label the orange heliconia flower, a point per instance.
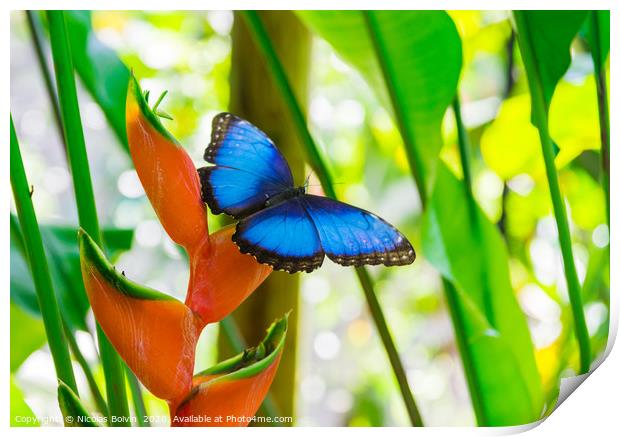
(221, 277)
(155, 333)
(229, 393)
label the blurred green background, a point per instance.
(341, 373)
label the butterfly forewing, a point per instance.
(237, 143)
(249, 168)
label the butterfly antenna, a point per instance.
(333, 183)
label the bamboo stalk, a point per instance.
(39, 268)
(76, 149)
(263, 42)
(539, 111)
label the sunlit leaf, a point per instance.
(553, 32)
(24, 341)
(524, 210)
(585, 197)
(501, 350)
(511, 144)
(21, 414)
(423, 50)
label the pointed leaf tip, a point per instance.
(74, 413)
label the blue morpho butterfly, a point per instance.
(279, 224)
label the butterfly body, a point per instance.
(279, 223)
(284, 196)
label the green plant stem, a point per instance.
(82, 184)
(72, 125)
(38, 266)
(390, 348)
(299, 120)
(419, 176)
(99, 400)
(464, 152)
(138, 399)
(539, 111)
(17, 237)
(603, 107)
(35, 33)
(90, 379)
(415, 161)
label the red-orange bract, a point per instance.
(156, 334)
(229, 393)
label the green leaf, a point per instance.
(511, 145)
(61, 247)
(422, 50)
(597, 36)
(21, 414)
(26, 336)
(503, 355)
(553, 32)
(103, 74)
(75, 414)
(537, 71)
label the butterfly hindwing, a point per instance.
(353, 236)
(282, 236)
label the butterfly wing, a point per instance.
(235, 192)
(248, 169)
(353, 236)
(282, 236)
